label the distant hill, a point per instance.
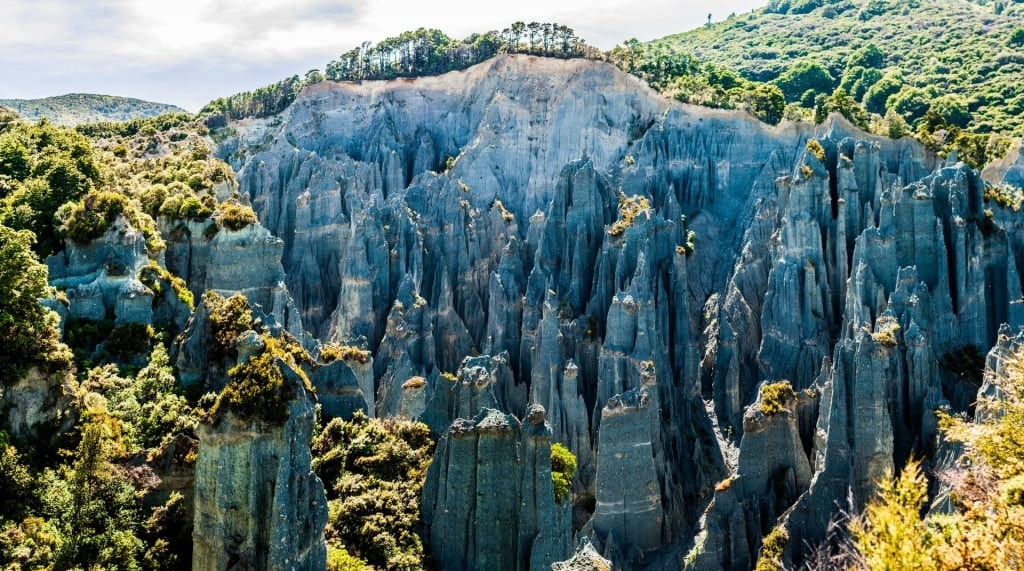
(969, 54)
(77, 108)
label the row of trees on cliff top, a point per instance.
(412, 54)
(432, 52)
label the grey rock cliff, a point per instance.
(557, 242)
(258, 505)
(497, 470)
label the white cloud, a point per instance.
(189, 51)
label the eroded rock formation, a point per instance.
(519, 233)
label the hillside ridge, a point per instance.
(73, 109)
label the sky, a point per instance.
(188, 52)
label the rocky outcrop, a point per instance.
(101, 278)
(40, 400)
(772, 472)
(495, 469)
(586, 558)
(551, 262)
(258, 505)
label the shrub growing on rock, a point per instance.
(774, 397)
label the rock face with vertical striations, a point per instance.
(497, 470)
(636, 267)
(258, 505)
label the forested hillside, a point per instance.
(930, 67)
(78, 108)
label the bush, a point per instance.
(814, 147)
(373, 471)
(772, 549)
(128, 340)
(235, 216)
(334, 351)
(229, 318)
(563, 470)
(775, 397)
(257, 390)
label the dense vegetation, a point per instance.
(79, 493)
(81, 501)
(79, 108)
(373, 471)
(944, 70)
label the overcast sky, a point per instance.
(187, 52)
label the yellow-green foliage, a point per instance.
(775, 396)
(154, 276)
(1005, 196)
(506, 214)
(887, 329)
(235, 216)
(90, 218)
(229, 318)
(891, 533)
(772, 548)
(339, 559)
(806, 171)
(629, 209)
(258, 388)
(373, 471)
(28, 332)
(814, 147)
(563, 470)
(43, 166)
(333, 351)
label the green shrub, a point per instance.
(373, 471)
(814, 147)
(155, 276)
(334, 351)
(563, 470)
(775, 397)
(772, 549)
(128, 340)
(90, 218)
(257, 389)
(235, 216)
(229, 318)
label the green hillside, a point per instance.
(78, 108)
(962, 59)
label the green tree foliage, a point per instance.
(28, 329)
(803, 77)
(373, 471)
(877, 96)
(432, 52)
(891, 533)
(563, 470)
(41, 168)
(840, 102)
(868, 56)
(1017, 38)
